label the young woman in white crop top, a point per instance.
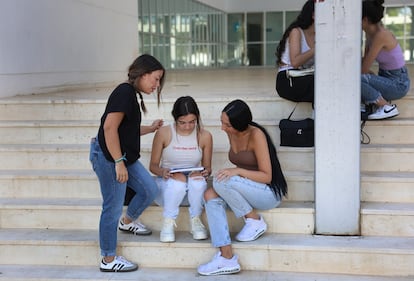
(183, 144)
(296, 50)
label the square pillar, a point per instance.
(337, 116)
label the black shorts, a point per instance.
(297, 89)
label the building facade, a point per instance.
(193, 34)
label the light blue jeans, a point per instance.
(174, 193)
(242, 196)
(390, 84)
(113, 195)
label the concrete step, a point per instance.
(82, 273)
(380, 256)
(381, 158)
(386, 219)
(256, 87)
(48, 131)
(389, 219)
(392, 131)
(405, 105)
(81, 105)
(51, 107)
(81, 131)
(71, 156)
(83, 184)
(387, 158)
(70, 184)
(396, 187)
(290, 217)
(397, 130)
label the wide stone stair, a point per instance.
(50, 199)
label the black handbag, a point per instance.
(297, 133)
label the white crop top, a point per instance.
(285, 58)
(182, 152)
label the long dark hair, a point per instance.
(304, 20)
(186, 105)
(373, 10)
(142, 65)
(240, 118)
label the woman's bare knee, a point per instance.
(210, 194)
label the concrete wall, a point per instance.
(53, 44)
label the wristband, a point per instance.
(123, 158)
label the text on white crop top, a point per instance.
(182, 151)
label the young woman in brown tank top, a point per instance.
(256, 182)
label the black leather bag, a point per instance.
(297, 133)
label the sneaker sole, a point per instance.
(253, 238)
(221, 271)
(167, 239)
(200, 236)
(122, 270)
(147, 232)
(393, 113)
(382, 118)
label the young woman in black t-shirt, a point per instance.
(115, 154)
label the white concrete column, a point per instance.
(49, 45)
(337, 120)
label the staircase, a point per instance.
(50, 199)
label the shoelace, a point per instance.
(140, 224)
(136, 226)
(121, 259)
(197, 223)
(168, 222)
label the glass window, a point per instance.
(235, 39)
(274, 26)
(274, 31)
(254, 38)
(291, 17)
(270, 54)
(235, 27)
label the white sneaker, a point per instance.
(383, 112)
(167, 232)
(135, 227)
(119, 264)
(198, 230)
(220, 265)
(252, 230)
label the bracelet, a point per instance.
(123, 158)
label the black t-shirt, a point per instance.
(124, 99)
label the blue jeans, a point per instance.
(242, 196)
(113, 195)
(390, 84)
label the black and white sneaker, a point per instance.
(384, 112)
(136, 227)
(119, 264)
